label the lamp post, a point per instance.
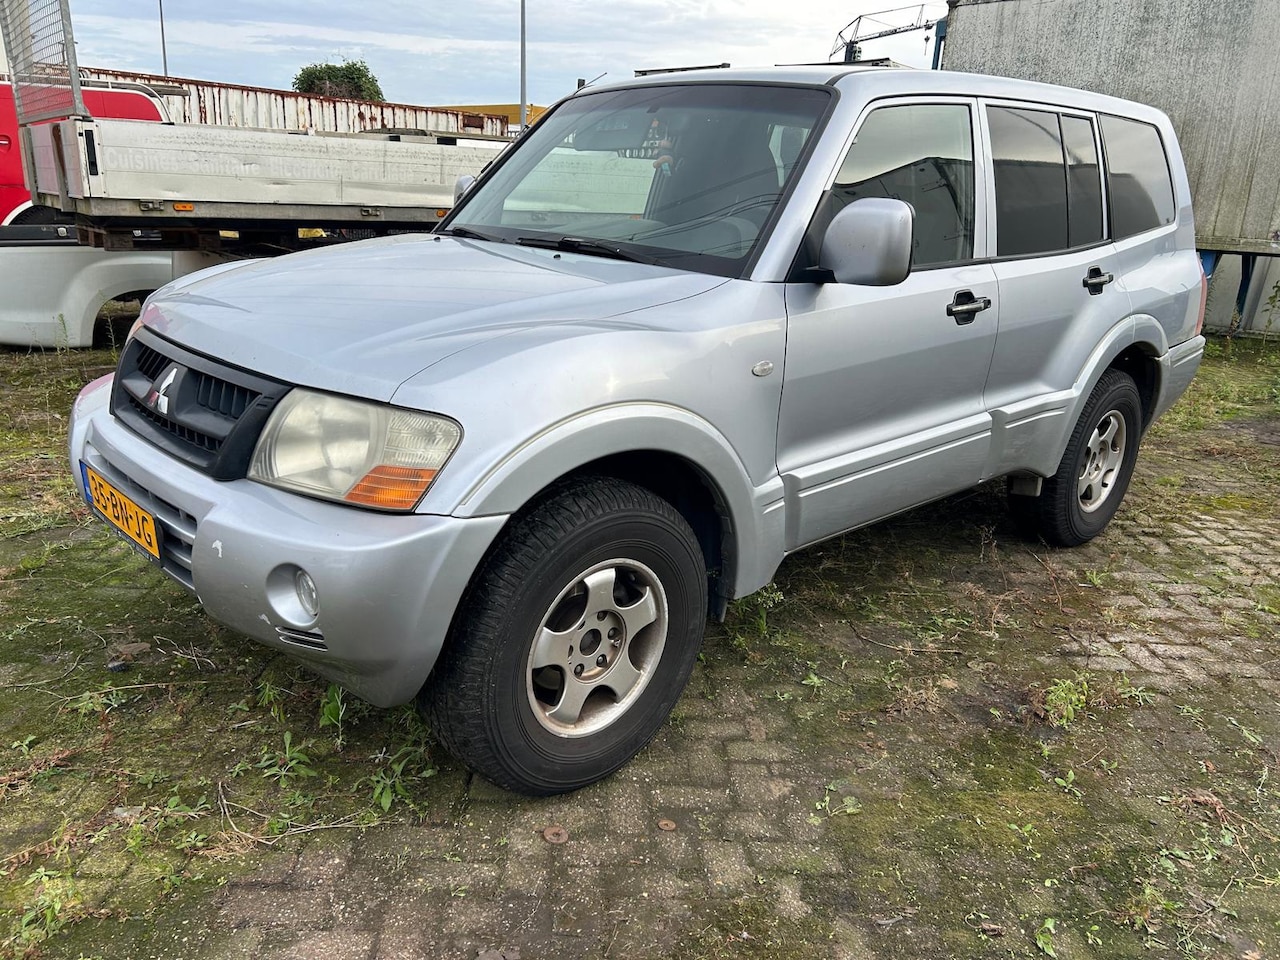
(164, 52)
(524, 97)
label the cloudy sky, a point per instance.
(430, 52)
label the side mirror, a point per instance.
(869, 243)
(462, 185)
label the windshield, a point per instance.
(687, 176)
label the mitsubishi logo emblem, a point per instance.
(157, 399)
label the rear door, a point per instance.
(1058, 273)
(882, 392)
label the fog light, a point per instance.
(293, 596)
(307, 595)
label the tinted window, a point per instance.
(1084, 183)
(1031, 182)
(924, 155)
(1137, 177)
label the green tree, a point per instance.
(351, 78)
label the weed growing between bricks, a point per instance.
(926, 738)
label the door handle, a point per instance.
(965, 306)
(1095, 280)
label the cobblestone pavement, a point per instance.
(741, 780)
(1177, 625)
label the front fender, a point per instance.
(755, 514)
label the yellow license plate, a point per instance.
(121, 512)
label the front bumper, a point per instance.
(388, 585)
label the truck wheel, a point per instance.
(1077, 502)
(574, 640)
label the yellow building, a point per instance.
(509, 110)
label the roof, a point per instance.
(872, 82)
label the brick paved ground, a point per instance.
(742, 776)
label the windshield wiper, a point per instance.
(466, 233)
(587, 245)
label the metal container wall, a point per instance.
(1212, 67)
(1257, 319)
(226, 104)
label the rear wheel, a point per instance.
(574, 640)
(1077, 502)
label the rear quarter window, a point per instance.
(1138, 179)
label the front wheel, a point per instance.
(1077, 502)
(574, 641)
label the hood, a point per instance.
(363, 318)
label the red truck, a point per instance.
(109, 102)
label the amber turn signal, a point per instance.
(391, 488)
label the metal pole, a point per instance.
(164, 52)
(524, 96)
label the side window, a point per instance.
(1031, 182)
(923, 154)
(1084, 182)
(1137, 177)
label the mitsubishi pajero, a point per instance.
(687, 325)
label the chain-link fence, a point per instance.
(42, 59)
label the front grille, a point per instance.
(225, 398)
(149, 361)
(205, 412)
(193, 438)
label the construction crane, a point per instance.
(849, 40)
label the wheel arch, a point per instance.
(1140, 361)
(669, 451)
(695, 495)
(1134, 347)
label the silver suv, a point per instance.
(685, 326)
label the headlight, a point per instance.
(352, 451)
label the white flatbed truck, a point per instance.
(205, 187)
(229, 191)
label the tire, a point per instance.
(574, 640)
(1077, 502)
